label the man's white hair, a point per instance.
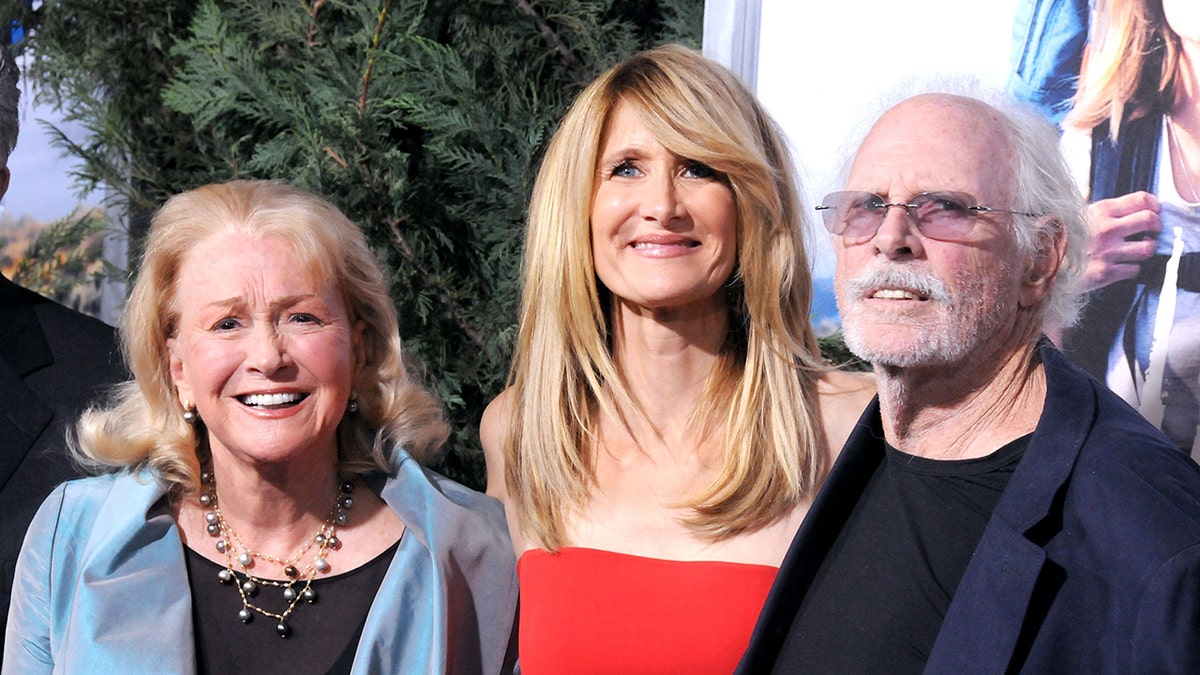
(1042, 184)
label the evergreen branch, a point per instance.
(448, 303)
(366, 80)
(311, 39)
(547, 32)
(335, 157)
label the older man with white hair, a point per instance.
(996, 509)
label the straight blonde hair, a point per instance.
(1132, 65)
(762, 392)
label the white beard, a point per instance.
(970, 312)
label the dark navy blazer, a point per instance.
(53, 362)
(1090, 562)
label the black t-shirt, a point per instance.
(877, 602)
(324, 634)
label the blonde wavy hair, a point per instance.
(1132, 65)
(142, 425)
(563, 379)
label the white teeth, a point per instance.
(270, 399)
(895, 294)
(649, 244)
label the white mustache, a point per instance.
(905, 278)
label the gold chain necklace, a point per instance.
(299, 580)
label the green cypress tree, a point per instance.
(423, 120)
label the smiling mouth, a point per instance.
(897, 294)
(272, 401)
(652, 245)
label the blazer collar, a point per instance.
(414, 615)
(23, 418)
(1001, 580)
(1068, 415)
(22, 343)
(137, 580)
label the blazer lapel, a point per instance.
(23, 417)
(820, 527)
(133, 599)
(984, 622)
(23, 349)
(406, 634)
(992, 604)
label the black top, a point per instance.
(324, 635)
(878, 601)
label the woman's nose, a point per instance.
(660, 199)
(267, 352)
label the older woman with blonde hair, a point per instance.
(668, 417)
(260, 475)
(1139, 98)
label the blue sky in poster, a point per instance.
(41, 184)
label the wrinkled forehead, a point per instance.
(937, 142)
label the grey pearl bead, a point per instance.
(225, 576)
(245, 560)
(283, 630)
(211, 517)
(222, 545)
(340, 518)
(206, 500)
(250, 588)
(310, 596)
(321, 564)
(289, 594)
(245, 615)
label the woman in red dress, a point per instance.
(668, 416)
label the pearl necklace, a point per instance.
(299, 581)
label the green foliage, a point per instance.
(63, 262)
(423, 120)
(835, 352)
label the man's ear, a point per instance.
(1042, 270)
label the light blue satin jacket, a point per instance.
(101, 584)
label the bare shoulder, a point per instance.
(493, 427)
(843, 397)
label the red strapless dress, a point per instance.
(590, 611)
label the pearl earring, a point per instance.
(189, 412)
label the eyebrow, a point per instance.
(240, 301)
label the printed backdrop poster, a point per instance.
(1133, 134)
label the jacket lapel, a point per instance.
(23, 417)
(413, 616)
(819, 529)
(23, 349)
(991, 605)
(133, 588)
